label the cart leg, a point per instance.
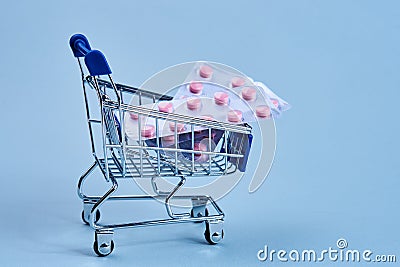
(83, 178)
(214, 231)
(103, 242)
(169, 197)
(199, 207)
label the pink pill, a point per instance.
(148, 131)
(249, 93)
(179, 127)
(221, 98)
(195, 87)
(237, 82)
(134, 116)
(263, 111)
(193, 103)
(207, 117)
(205, 71)
(275, 102)
(235, 116)
(168, 138)
(200, 147)
(165, 107)
(168, 141)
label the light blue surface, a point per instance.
(336, 171)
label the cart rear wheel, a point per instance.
(104, 249)
(98, 215)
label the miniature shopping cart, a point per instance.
(148, 158)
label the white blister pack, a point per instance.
(215, 73)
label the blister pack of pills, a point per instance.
(242, 85)
(247, 100)
(219, 107)
(212, 102)
(211, 93)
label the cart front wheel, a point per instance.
(214, 232)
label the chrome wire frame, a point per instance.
(120, 160)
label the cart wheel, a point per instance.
(198, 215)
(104, 249)
(96, 220)
(214, 232)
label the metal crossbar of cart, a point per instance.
(120, 159)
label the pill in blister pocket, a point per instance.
(221, 98)
(148, 131)
(200, 147)
(165, 106)
(179, 127)
(193, 103)
(237, 82)
(275, 102)
(168, 138)
(235, 116)
(249, 93)
(134, 116)
(168, 141)
(196, 87)
(207, 117)
(263, 111)
(205, 71)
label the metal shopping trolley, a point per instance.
(119, 158)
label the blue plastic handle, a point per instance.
(96, 63)
(94, 59)
(79, 44)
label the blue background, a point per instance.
(336, 171)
